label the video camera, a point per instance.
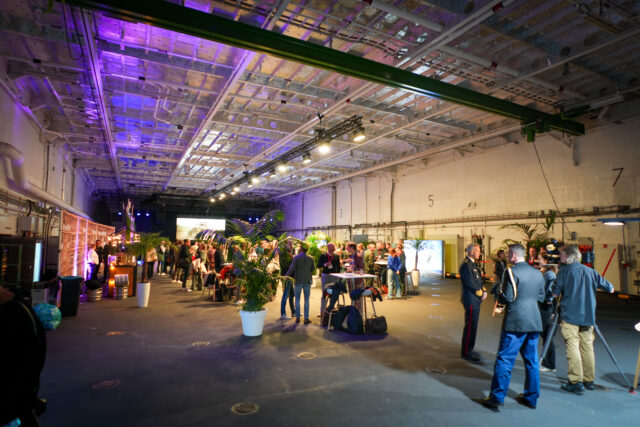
(552, 251)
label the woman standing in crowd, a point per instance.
(546, 312)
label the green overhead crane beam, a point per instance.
(184, 20)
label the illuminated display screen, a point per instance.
(187, 228)
(430, 257)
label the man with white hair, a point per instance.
(578, 285)
(521, 289)
(473, 293)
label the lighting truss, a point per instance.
(348, 125)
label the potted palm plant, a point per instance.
(145, 243)
(256, 283)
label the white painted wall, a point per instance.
(17, 129)
(502, 180)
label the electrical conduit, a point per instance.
(21, 185)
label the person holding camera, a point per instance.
(577, 284)
(521, 290)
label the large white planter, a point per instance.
(252, 322)
(142, 292)
(415, 279)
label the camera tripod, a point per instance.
(552, 333)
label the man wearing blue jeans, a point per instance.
(301, 269)
(393, 273)
(521, 290)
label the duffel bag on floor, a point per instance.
(339, 317)
(354, 321)
(376, 325)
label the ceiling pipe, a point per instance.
(506, 70)
(238, 72)
(412, 57)
(401, 13)
(86, 29)
(21, 185)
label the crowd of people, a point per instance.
(529, 291)
(192, 263)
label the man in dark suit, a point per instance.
(301, 269)
(473, 293)
(521, 290)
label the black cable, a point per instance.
(544, 175)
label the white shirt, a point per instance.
(93, 257)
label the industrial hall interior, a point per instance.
(319, 212)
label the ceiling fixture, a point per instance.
(236, 189)
(320, 140)
(324, 148)
(212, 200)
(222, 196)
(613, 223)
(249, 185)
(359, 135)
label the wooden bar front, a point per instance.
(129, 270)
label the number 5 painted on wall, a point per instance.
(430, 199)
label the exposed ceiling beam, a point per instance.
(419, 155)
(211, 27)
(247, 57)
(86, 29)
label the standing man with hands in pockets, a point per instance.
(301, 269)
(473, 293)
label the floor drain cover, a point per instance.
(432, 370)
(111, 333)
(306, 355)
(435, 317)
(106, 384)
(244, 408)
(201, 343)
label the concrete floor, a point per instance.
(160, 378)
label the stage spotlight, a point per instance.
(306, 159)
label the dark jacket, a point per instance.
(549, 280)
(22, 357)
(335, 263)
(578, 285)
(498, 268)
(302, 267)
(218, 260)
(184, 258)
(471, 278)
(522, 313)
